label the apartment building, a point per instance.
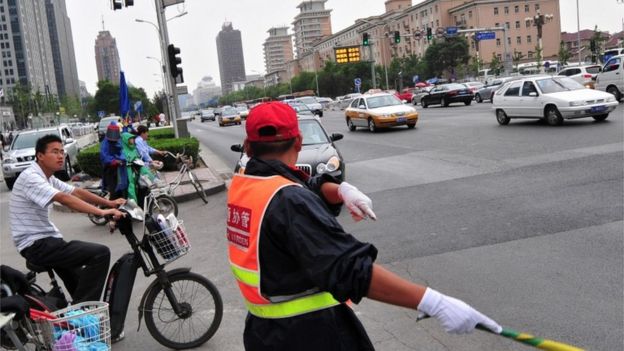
(312, 24)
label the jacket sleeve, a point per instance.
(315, 183)
(330, 258)
(105, 157)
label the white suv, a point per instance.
(585, 75)
(611, 79)
(22, 153)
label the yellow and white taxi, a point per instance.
(379, 110)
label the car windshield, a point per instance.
(230, 112)
(454, 87)
(593, 69)
(308, 100)
(312, 132)
(28, 140)
(382, 101)
(557, 85)
(241, 108)
(300, 108)
(106, 121)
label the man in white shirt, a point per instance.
(82, 266)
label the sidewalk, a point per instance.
(211, 175)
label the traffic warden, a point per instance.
(293, 262)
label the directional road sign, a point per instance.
(547, 64)
(485, 35)
(357, 82)
(415, 78)
(451, 30)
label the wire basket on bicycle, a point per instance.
(168, 236)
(83, 326)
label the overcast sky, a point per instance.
(195, 32)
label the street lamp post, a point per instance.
(539, 20)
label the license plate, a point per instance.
(601, 108)
(401, 120)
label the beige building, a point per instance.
(107, 57)
(412, 21)
(277, 49)
(312, 24)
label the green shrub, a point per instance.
(89, 158)
(164, 133)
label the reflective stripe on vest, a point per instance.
(248, 198)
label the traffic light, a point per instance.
(117, 5)
(174, 61)
(429, 34)
(397, 37)
(592, 45)
(129, 3)
(365, 41)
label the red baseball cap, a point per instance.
(272, 121)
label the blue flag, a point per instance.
(124, 100)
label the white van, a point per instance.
(611, 79)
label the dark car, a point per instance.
(317, 156)
(446, 94)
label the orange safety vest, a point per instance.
(248, 198)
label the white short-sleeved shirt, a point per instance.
(29, 207)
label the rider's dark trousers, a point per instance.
(81, 265)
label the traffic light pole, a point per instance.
(173, 95)
(373, 73)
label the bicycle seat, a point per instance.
(38, 269)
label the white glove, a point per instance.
(456, 316)
(360, 206)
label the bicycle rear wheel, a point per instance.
(198, 187)
(165, 205)
(202, 311)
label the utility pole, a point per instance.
(173, 95)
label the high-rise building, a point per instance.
(277, 49)
(231, 60)
(107, 57)
(205, 91)
(62, 43)
(312, 24)
(25, 46)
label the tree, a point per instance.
(598, 40)
(496, 66)
(564, 54)
(517, 57)
(107, 97)
(445, 56)
(538, 57)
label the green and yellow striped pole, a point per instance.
(528, 339)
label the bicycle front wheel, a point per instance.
(165, 205)
(198, 187)
(201, 312)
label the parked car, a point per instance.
(474, 86)
(611, 79)
(243, 111)
(21, 153)
(301, 108)
(419, 93)
(446, 94)
(207, 115)
(379, 110)
(318, 154)
(487, 92)
(585, 75)
(103, 124)
(312, 104)
(552, 99)
(228, 116)
(406, 94)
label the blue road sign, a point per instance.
(547, 64)
(357, 82)
(451, 30)
(485, 35)
(415, 78)
(101, 114)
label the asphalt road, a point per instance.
(524, 222)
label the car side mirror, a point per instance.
(533, 94)
(69, 141)
(336, 136)
(237, 148)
